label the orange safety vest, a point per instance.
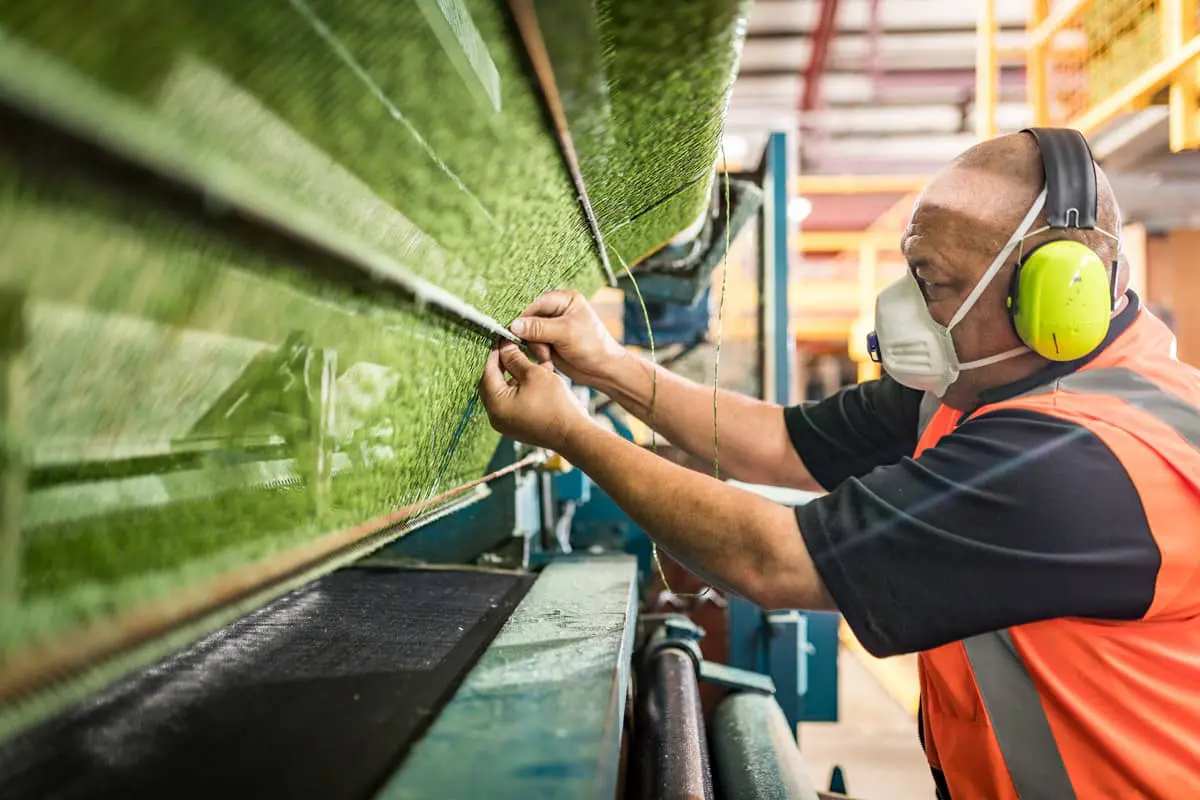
(1083, 708)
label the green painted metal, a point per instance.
(754, 751)
(541, 714)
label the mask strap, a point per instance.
(984, 362)
(1018, 236)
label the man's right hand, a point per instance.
(563, 327)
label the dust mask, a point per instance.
(917, 351)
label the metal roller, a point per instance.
(672, 752)
(754, 754)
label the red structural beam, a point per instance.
(822, 36)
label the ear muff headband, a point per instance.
(1061, 296)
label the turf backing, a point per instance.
(173, 403)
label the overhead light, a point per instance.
(799, 208)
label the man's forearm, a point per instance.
(735, 539)
(753, 446)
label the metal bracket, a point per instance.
(735, 678)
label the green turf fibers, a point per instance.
(419, 135)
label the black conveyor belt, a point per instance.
(319, 694)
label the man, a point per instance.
(1039, 531)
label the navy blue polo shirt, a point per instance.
(997, 525)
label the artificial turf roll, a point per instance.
(171, 406)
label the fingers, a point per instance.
(547, 330)
(542, 320)
(543, 354)
(513, 360)
(550, 304)
(492, 383)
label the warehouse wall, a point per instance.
(1173, 286)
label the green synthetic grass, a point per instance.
(142, 311)
(671, 68)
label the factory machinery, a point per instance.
(256, 536)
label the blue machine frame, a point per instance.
(797, 649)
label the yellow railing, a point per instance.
(1091, 60)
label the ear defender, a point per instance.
(1061, 300)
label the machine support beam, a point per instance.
(775, 265)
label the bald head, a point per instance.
(961, 222)
(988, 189)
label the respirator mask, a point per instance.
(916, 350)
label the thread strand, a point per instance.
(662, 575)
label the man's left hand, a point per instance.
(534, 406)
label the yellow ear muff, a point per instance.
(1061, 300)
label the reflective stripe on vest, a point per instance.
(1140, 393)
(1018, 719)
(1010, 697)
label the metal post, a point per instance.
(1178, 21)
(777, 331)
(13, 335)
(1035, 66)
(987, 75)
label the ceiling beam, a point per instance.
(1013, 74)
(901, 149)
(933, 51)
(818, 54)
(768, 15)
(803, 33)
(883, 120)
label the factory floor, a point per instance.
(875, 740)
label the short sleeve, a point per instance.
(856, 430)
(1013, 518)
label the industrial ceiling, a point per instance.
(886, 87)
